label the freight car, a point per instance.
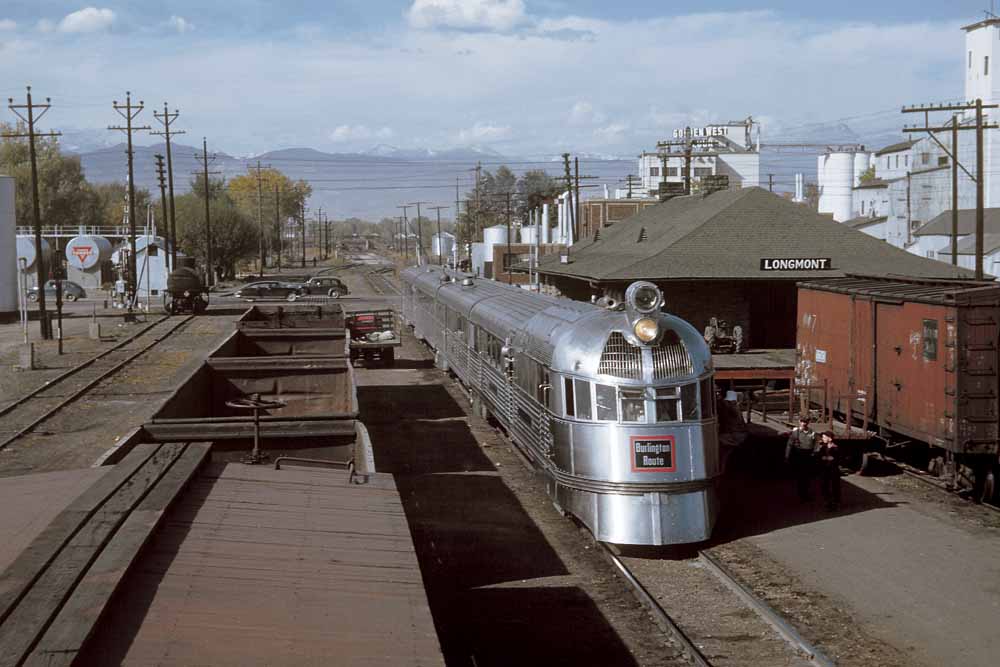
(615, 405)
(186, 291)
(917, 358)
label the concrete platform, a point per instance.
(262, 567)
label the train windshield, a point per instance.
(639, 405)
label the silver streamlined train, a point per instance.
(615, 405)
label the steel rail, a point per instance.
(48, 384)
(766, 612)
(79, 392)
(921, 476)
(660, 616)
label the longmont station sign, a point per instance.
(796, 264)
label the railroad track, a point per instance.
(381, 284)
(807, 652)
(939, 484)
(29, 411)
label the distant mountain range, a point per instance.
(371, 184)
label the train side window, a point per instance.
(607, 403)
(667, 404)
(707, 398)
(583, 408)
(633, 405)
(568, 398)
(689, 402)
(930, 340)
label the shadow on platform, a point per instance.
(470, 532)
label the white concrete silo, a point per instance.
(492, 236)
(835, 176)
(8, 252)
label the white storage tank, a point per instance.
(442, 245)
(478, 259)
(26, 251)
(492, 236)
(8, 251)
(835, 176)
(87, 253)
(529, 234)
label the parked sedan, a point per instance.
(270, 289)
(71, 291)
(332, 287)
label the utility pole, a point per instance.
(303, 219)
(406, 239)
(260, 215)
(631, 179)
(576, 204)
(457, 210)
(477, 223)
(569, 192)
(209, 269)
(440, 240)
(979, 179)
(770, 182)
(509, 260)
(171, 240)
(687, 143)
(954, 191)
(45, 328)
(166, 119)
(277, 223)
(420, 233)
(129, 113)
(318, 233)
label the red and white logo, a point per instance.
(82, 252)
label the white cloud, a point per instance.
(484, 133)
(345, 133)
(583, 113)
(7, 24)
(45, 25)
(89, 19)
(180, 24)
(466, 14)
(612, 133)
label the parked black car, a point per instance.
(71, 291)
(328, 285)
(270, 289)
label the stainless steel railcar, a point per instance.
(615, 406)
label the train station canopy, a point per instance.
(748, 234)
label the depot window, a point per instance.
(654, 171)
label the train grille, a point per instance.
(620, 358)
(671, 359)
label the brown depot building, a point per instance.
(732, 254)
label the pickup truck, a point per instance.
(374, 333)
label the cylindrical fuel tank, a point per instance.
(26, 251)
(87, 253)
(184, 279)
(529, 234)
(442, 245)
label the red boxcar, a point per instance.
(920, 358)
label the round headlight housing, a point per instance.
(644, 297)
(646, 329)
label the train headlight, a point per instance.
(644, 297)
(646, 330)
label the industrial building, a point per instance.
(732, 254)
(897, 192)
(725, 149)
(8, 254)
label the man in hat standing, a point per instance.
(799, 453)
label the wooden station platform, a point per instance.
(776, 364)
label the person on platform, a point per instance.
(799, 453)
(828, 457)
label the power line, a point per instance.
(166, 119)
(45, 327)
(129, 113)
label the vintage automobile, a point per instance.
(71, 291)
(329, 285)
(270, 289)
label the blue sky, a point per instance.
(520, 76)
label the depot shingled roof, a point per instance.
(726, 235)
